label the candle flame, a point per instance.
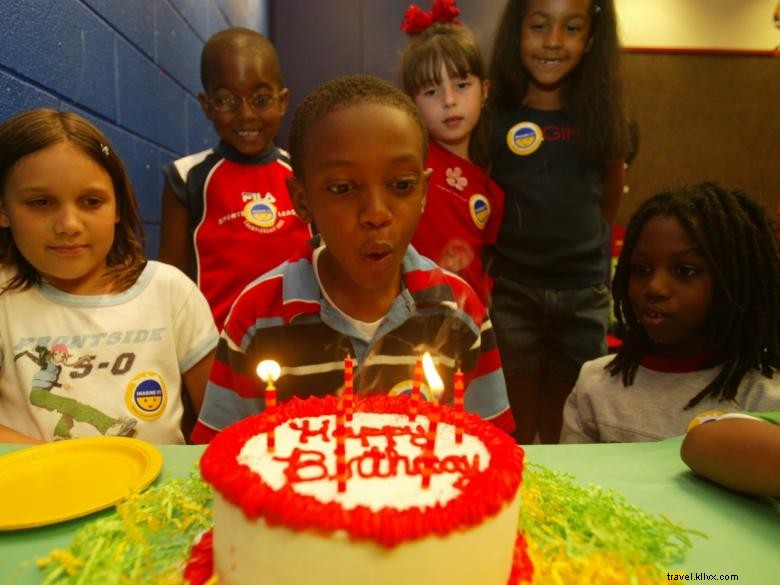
(269, 370)
(432, 376)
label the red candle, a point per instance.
(430, 444)
(349, 392)
(436, 386)
(269, 371)
(341, 451)
(458, 404)
(414, 401)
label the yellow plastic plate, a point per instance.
(59, 481)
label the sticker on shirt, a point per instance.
(404, 388)
(456, 179)
(260, 211)
(524, 138)
(146, 395)
(456, 255)
(259, 214)
(479, 207)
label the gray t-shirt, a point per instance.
(601, 410)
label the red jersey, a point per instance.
(462, 215)
(241, 219)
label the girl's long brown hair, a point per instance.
(454, 46)
(34, 130)
(593, 93)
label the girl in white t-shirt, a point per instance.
(94, 339)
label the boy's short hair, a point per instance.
(236, 39)
(343, 92)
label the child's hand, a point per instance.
(740, 453)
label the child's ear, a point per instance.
(485, 91)
(205, 106)
(284, 99)
(4, 221)
(295, 189)
(425, 178)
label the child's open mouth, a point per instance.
(653, 317)
(377, 253)
(377, 256)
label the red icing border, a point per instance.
(200, 564)
(484, 495)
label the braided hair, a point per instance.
(736, 238)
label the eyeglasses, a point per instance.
(231, 103)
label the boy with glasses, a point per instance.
(226, 214)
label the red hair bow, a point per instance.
(417, 20)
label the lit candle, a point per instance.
(414, 401)
(349, 392)
(269, 371)
(436, 386)
(458, 403)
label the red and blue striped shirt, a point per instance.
(283, 316)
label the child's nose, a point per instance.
(657, 285)
(553, 37)
(375, 211)
(245, 109)
(448, 96)
(68, 220)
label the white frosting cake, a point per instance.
(279, 517)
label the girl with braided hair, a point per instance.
(697, 296)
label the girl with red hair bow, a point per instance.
(442, 70)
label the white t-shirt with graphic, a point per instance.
(77, 366)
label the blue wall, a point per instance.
(132, 67)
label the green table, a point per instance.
(744, 532)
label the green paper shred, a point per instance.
(590, 521)
(148, 538)
(145, 540)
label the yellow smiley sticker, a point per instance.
(479, 207)
(146, 395)
(405, 388)
(261, 212)
(524, 138)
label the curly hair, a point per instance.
(592, 96)
(341, 93)
(35, 130)
(454, 47)
(737, 239)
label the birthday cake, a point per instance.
(374, 499)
